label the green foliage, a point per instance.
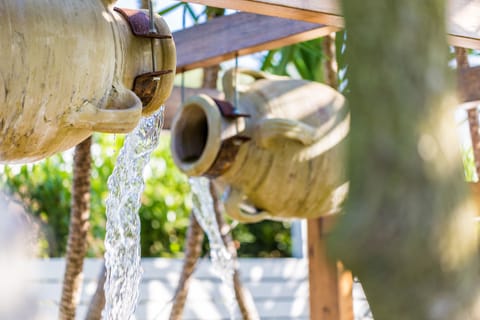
(306, 60)
(469, 165)
(299, 60)
(44, 188)
(165, 208)
(263, 239)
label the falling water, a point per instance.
(223, 264)
(122, 240)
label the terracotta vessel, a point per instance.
(67, 68)
(278, 154)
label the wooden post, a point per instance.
(330, 283)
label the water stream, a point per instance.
(122, 240)
(223, 264)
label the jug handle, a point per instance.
(269, 130)
(108, 2)
(228, 80)
(233, 201)
(122, 117)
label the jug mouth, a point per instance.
(196, 135)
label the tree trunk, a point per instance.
(408, 231)
(98, 300)
(242, 294)
(193, 250)
(330, 64)
(77, 244)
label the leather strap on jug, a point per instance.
(146, 85)
(230, 147)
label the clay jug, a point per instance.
(278, 154)
(67, 68)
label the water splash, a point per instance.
(222, 261)
(122, 240)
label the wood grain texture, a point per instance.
(330, 284)
(325, 11)
(243, 33)
(463, 19)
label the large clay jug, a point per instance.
(68, 67)
(278, 154)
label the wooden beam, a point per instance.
(330, 284)
(463, 15)
(242, 33)
(464, 23)
(316, 11)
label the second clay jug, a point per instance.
(278, 154)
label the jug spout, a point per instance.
(205, 136)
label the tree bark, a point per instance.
(98, 300)
(77, 244)
(408, 231)
(193, 250)
(242, 294)
(330, 64)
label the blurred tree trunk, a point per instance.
(193, 250)
(408, 231)
(97, 304)
(77, 238)
(242, 294)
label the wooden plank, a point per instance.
(475, 191)
(322, 275)
(463, 17)
(330, 285)
(316, 11)
(243, 33)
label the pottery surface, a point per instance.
(285, 160)
(67, 69)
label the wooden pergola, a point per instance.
(311, 19)
(286, 22)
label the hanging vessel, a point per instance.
(278, 154)
(68, 68)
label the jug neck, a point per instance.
(206, 136)
(146, 59)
